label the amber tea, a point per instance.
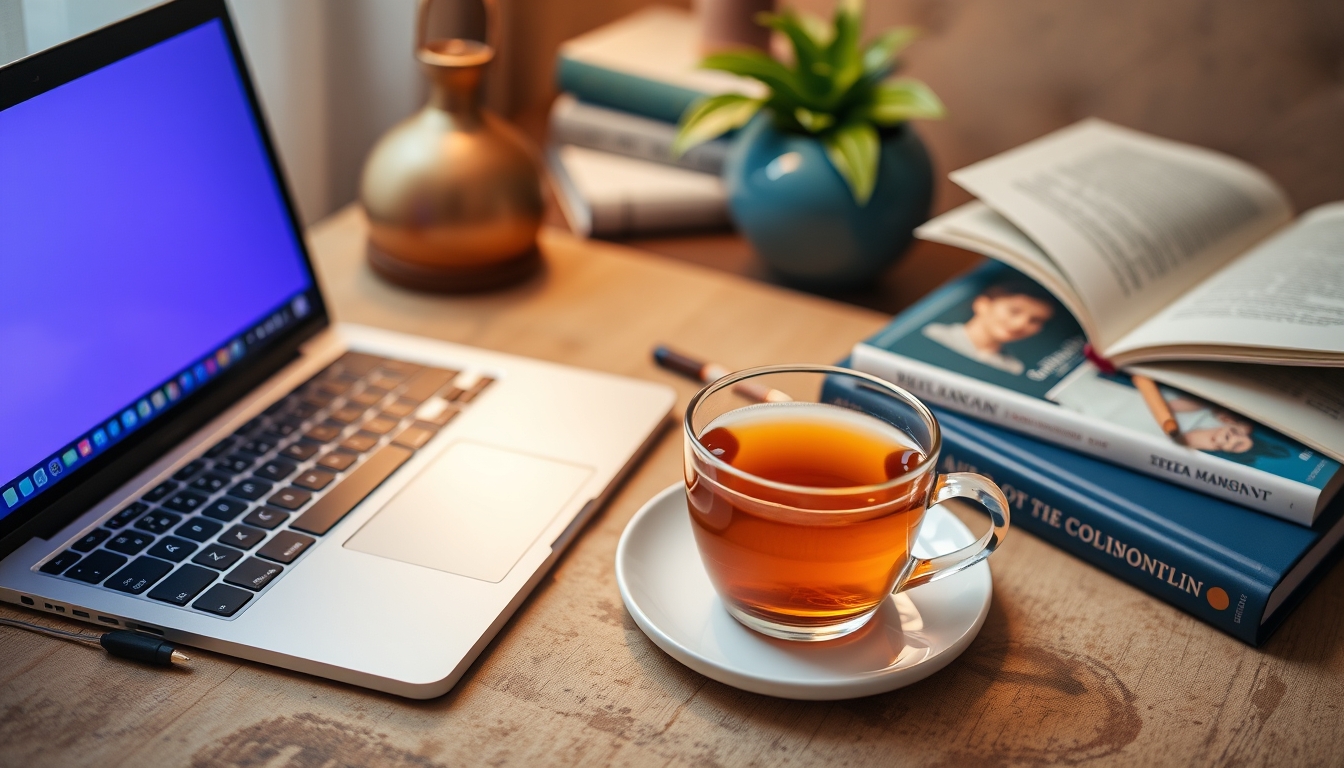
(766, 548)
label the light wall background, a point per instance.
(1261, 81)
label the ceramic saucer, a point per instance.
(914, 634)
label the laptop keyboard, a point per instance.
(233, 521)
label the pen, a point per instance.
(1157, 404)
(687, 366)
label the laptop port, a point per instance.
(106, 620)
(26, 600)
(143, 628)
(81, 614)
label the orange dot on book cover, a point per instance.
(1218, 598)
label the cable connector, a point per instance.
(141, 647)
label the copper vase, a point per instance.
(453, 193)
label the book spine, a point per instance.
(623, 91)
(1041, 419)
(1091, 529)
(584, 125)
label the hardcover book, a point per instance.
(607, 195)
(1235, 569)
(996, 346)
(1180, 263)
(646, 63)
(586, 125)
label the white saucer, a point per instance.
(914, 634)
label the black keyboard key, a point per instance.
(287, 426)
(189, 471)
(475, 389)
(338, 460)
(359, 442)
(139, 575)
(254, 425)
(414, 437)
(251, 489)
(185, 501)
(158, 521)
(217, 557)
(253, 574)
(304, 411)
(285, 546)
(260, 445)
(234, 464)
(265, 517)
(172, 548)
(130, 542)
(91, 540)
(398, 410)
(347, 415)
(379, 425)
(344, 496)
(324, 433)
(276, 469)
(184, 584)
(210, 483)
(424, 384)
(367, 398)
(314, 479)
(242, 536)
(279, 405)
(222, 600)
(161, 490)
(125, 516)
(355, 363)
(199, 528)
(220, 448)
(96, 567)
(224, 509)
(290, 498)
(60, 562)
(301, 451)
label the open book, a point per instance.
(1175, 260)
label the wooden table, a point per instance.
(1072, 665)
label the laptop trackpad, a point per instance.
(472, 511)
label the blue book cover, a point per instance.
(995, 345)
(1241, 571)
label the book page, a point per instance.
(1307, 404)
(976, 227)
(1281, 302)
(1133, 221)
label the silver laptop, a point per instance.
(189, 448)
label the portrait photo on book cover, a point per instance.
(1008, 331)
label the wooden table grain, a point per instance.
(1072, 666)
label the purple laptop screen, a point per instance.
(141, 230)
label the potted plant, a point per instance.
(826, 179)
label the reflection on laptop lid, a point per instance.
(131, 290)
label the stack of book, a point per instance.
(624, 86)
(1203, 469)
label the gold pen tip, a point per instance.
(179, 657)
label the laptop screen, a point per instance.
(145, 248)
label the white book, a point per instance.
(610, 130)
(607, 195)
(1179, 262)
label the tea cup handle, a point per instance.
(981, 490)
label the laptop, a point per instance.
(189, 447)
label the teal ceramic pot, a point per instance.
(798, 213)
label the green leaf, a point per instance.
(854, 150)
(880, 58)
(814, 122)
(809, 56)
(900, 100)
(711, 117)
(783, 83)
(843, 52)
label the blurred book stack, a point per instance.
(624, 86)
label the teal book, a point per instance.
(996, 346)
(646, 64)
(1238, 570)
